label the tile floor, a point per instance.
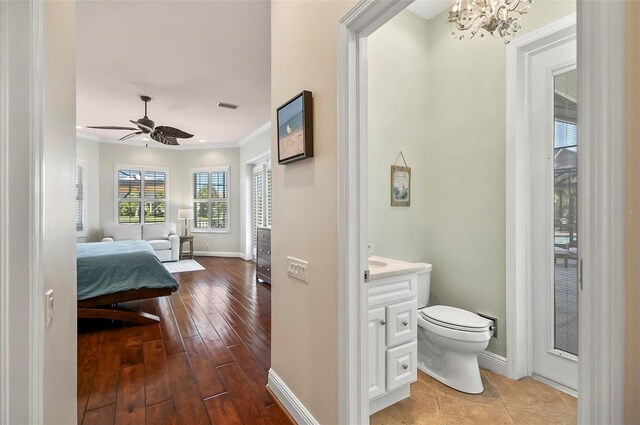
(503, 401)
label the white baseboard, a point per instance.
(493, 362)
(290, 402)
(219, 254)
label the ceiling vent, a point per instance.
(227, 105)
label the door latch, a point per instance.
(366, 276)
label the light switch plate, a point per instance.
(298, 269)
(48, 307)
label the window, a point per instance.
(81, 198)
(260, 199)
(141, 194)
(211, 199)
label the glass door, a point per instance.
(553, 116)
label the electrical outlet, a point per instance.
(495, 323)
(48, 307)
(298, 269)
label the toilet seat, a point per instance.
(456, 319)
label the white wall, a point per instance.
(59, 248)
(89, 151)
(178, 164)
(304, 321)
(258, 145)
(398, 102)
(228, 243)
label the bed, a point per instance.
(115, 272)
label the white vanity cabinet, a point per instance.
(393, 323)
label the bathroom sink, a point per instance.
(375, 264)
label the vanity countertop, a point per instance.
(380, 267)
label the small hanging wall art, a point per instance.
(400, 184)
(295, 129)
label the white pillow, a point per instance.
(123, 232)
(152, 232)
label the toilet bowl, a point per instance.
(449, 341)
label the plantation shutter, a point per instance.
(80, 195)
(258, 203)
(268, 218)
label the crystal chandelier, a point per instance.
(496, 17)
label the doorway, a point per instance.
(602, 60)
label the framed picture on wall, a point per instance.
(295, 129)
(400, 186)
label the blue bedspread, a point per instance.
(110, 267)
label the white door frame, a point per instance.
(601, 44)
(519, 180)
(353, 28)
(21, 290)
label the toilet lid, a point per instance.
(455, 318)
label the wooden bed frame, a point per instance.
(105, 306)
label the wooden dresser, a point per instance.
(263, 260)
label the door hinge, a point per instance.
(580, 279)
(366, 276)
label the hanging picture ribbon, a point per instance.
(400, 183)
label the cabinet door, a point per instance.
(402, 323)
(376, 352)
(402, 365)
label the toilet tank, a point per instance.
(424, 285)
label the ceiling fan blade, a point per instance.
(111, 127)
(173, 132)
(130, 135)
(158, 137)
(141, 126)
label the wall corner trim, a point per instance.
(289, 400)
(493, 362)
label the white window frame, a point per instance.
(83, 166)
(142, 169)
(263, 166)
(226, 169)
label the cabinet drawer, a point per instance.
(264, 250)
(402, 365)
(392, 289)
(264, 235)
(402, 322)
(264, 271)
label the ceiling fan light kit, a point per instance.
(162, 133)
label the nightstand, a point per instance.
(188, 254)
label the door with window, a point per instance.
(260, 200)
(552, 90)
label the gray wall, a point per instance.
(398, 101)
(59, 237)
(463, 125)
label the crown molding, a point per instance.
(257, 132)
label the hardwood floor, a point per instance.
(206, 362)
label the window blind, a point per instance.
(211, 199)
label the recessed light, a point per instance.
(203, 141)
(145, 139)
(227, 105)
(78, 127)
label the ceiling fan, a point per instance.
(162, 133)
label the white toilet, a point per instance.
(449, 340)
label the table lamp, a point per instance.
(185, 214)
